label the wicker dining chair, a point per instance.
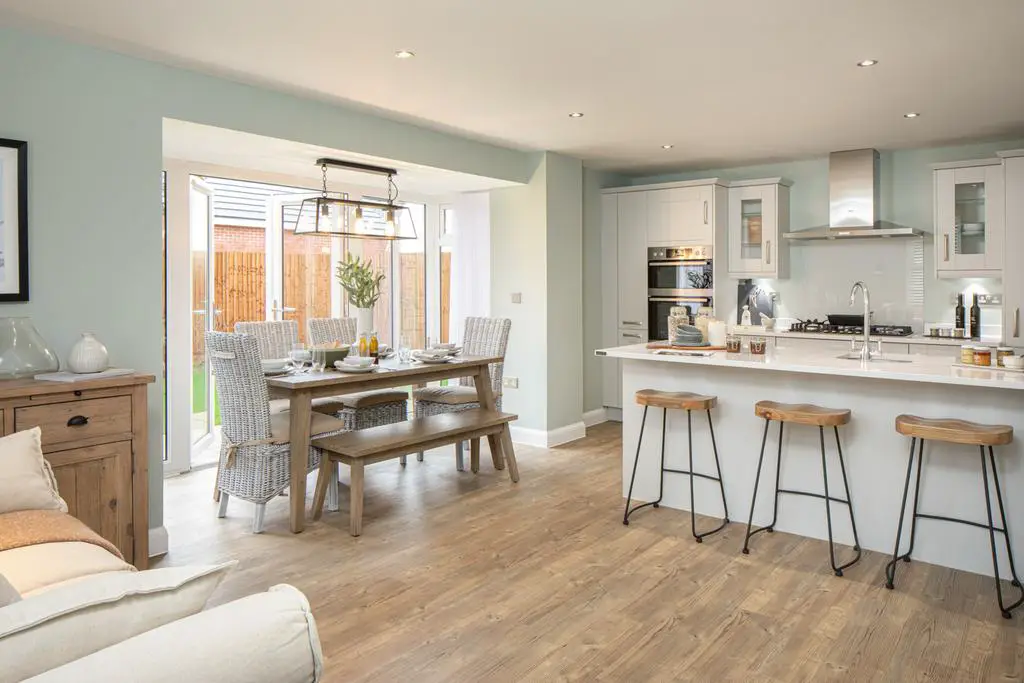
(363, 409)
(255, 456)
(481, 337)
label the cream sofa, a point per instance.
(267, 637)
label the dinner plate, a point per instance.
(433, 361)
(342, 366)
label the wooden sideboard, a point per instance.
(94, 436)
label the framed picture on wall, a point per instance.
(13, 220)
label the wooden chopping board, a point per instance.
(673, 347)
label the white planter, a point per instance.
(88, 355)
(364, 321)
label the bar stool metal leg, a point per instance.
(838, 569)
(1002, 515)
(632, 479)
(778, 480)
(846, 489)
(1004, 609)
(661, 474)
(890, 567)
(693, 503)
(753, 500)
(718, 468)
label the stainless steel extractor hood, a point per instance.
(854, 191)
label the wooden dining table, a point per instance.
(301, 389)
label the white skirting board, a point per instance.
(158, 541)
(548, 439)
(595, 417)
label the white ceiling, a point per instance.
(231, 149)
(726, 82)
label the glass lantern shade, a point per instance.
(360, 219)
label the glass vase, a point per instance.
(23, 351)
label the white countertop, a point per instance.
(929, 369)
(912, 339)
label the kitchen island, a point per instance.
(875, 455)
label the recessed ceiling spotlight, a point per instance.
(911, 115)
(666, 146)
(575, 115)
(404, 54)
(867, 62)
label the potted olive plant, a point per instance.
(362, 283)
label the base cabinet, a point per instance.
(94, 436)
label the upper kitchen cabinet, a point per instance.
(1013, 277)
(758, 216)
(969, 215)
(682, 214)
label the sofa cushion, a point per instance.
(8, 595)
(36, 568)
(71, 621)
(456, 396)
(26, 480)
(268, 637)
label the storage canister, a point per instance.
(967, 355)
(982, 355)
(1001, 353)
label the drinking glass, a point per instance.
(404, 350)
(432, 342)
(732, 343)
(319, 357)
(299, 356)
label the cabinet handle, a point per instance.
(78, 421)
(769, 252)
(945, 242)
(631, 336)
(1016, 322)
(705, 212)
(633, 322)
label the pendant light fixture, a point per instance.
(333, 213)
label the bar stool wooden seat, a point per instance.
(815, 416)
(984, 436)
(668, 400)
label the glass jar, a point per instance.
(364, 344)
(982, 356)
(703, 320)
(758, 345)
(733, 343)
(966, 355)
(23, 351)
(677, 315)
(1001, 353)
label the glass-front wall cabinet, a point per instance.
(758, 216)
(969, 220)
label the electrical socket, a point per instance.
(517, 297)
(983, 300)
(510, 382)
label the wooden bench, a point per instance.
(376, 444)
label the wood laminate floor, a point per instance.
(462, 577)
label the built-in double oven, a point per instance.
(677, 276)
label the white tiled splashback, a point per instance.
(822, 273)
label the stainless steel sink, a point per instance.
(855, 355)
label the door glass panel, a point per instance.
(969, 232)
(199, 214)
(240, 265)
(307, 262)
(446, 293)
(412, 278)
(750, 230)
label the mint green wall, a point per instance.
(93, 122)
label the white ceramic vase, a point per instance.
(88, 355)
(364, 321)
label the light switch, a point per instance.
(510, 382)
(517, 297)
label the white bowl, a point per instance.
(359, 361)
(1014, 362)
(275, 364)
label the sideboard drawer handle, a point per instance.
(78, 421)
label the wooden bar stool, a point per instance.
(666, 400)
(921, 429)
(819, 417)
